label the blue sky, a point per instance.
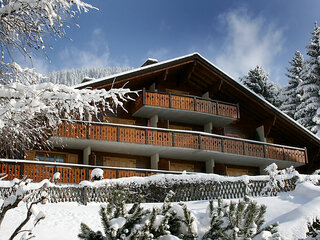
(235, 35)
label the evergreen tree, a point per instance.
(142, 224)
(313, 230)
(257, 81)
(238, 221)
(291, 94)
(310, 102)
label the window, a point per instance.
(50, 157)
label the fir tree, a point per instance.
(257, 81)
(142, 224)
(310, 103)
(291, 94)
(237, 221)
(313, 230)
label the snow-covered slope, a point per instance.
(292, 210)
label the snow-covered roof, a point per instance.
(197, 56)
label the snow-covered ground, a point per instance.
(292, 210)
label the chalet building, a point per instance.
(191, 116)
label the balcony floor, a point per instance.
(169, 152)
(183, 116)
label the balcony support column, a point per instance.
(155, 161)
(153, 87)
(206, 95)
(208, 127)
(154, 121)
(209, 165)
(86, 154)
(260, 132)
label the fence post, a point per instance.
(217, 106)
(143, 96)
(238, 111)
(195, 103)
(88, 131)
(222, 145)
(173, 140)
(283, 153)
(21, 170)
(118, 134)
(84, 197)
(199, 139)
(170, 101)
(87, 174)
(244, 148)
(264, 151)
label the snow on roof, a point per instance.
(196, 54)
(114, 76)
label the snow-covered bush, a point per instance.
(31, 195)
(96, 174)
(313, 230)
(56, 177)
(277, 178)
(137, 223)
(242, 220)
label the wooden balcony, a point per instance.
(139, 140)
(69, 173)
(185, 108)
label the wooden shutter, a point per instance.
(119, 162)
(72, 158)
(177, 166)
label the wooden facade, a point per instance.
(189, 116)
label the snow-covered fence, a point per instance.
(156, 187)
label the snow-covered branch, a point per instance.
(25, 23)
(28, 114)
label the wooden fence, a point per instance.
(187, 102)
(69, 173)
(184, 139)
(156, 191)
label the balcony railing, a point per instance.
(178, 138)
(187, 102)
(69, 173)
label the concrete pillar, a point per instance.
(153, 87)
(86, 153)
(260, 131)
(209, 166)
(154, 161)
(206, 95)
(208, 127)
(154, 121)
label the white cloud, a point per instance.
(159, 54)
(95, 54)
(250, 41)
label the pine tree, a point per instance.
(258, 81)
(291, 94)
(238, 221)
(142, 224)
(313, 230)
(310, 102)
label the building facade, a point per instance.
(189, 115)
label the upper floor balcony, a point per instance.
(185, 109)
(177, 144)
